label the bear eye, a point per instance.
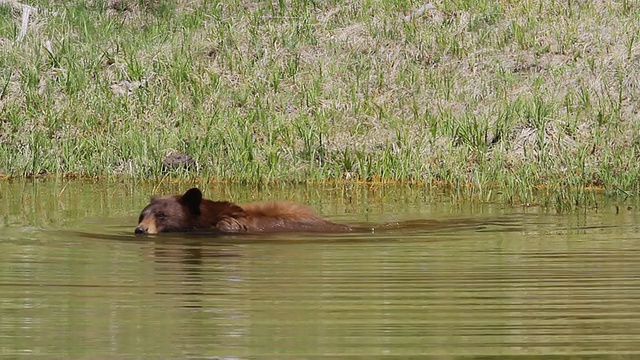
(161, 215)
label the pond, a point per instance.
(476, 281)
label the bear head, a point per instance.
(187, 212)
(171, 213)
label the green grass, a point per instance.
(498, 100)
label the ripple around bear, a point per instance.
(190, 212)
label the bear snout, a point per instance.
(147, 226)
(140, 230)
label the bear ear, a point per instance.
(192, 199)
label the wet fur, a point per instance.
(190, 212)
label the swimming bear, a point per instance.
(190, 212)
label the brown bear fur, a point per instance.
(190, 212)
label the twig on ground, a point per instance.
(26, 12)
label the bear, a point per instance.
(190, 212)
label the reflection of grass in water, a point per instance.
(111, 209)
(526, 98)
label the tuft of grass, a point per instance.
(499, 101)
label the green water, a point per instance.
(485, 281)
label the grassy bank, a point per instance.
(499, 99)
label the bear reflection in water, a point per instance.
(190, 212)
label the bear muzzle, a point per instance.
(146, 228)
(140, 230)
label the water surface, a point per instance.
(473, 281)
